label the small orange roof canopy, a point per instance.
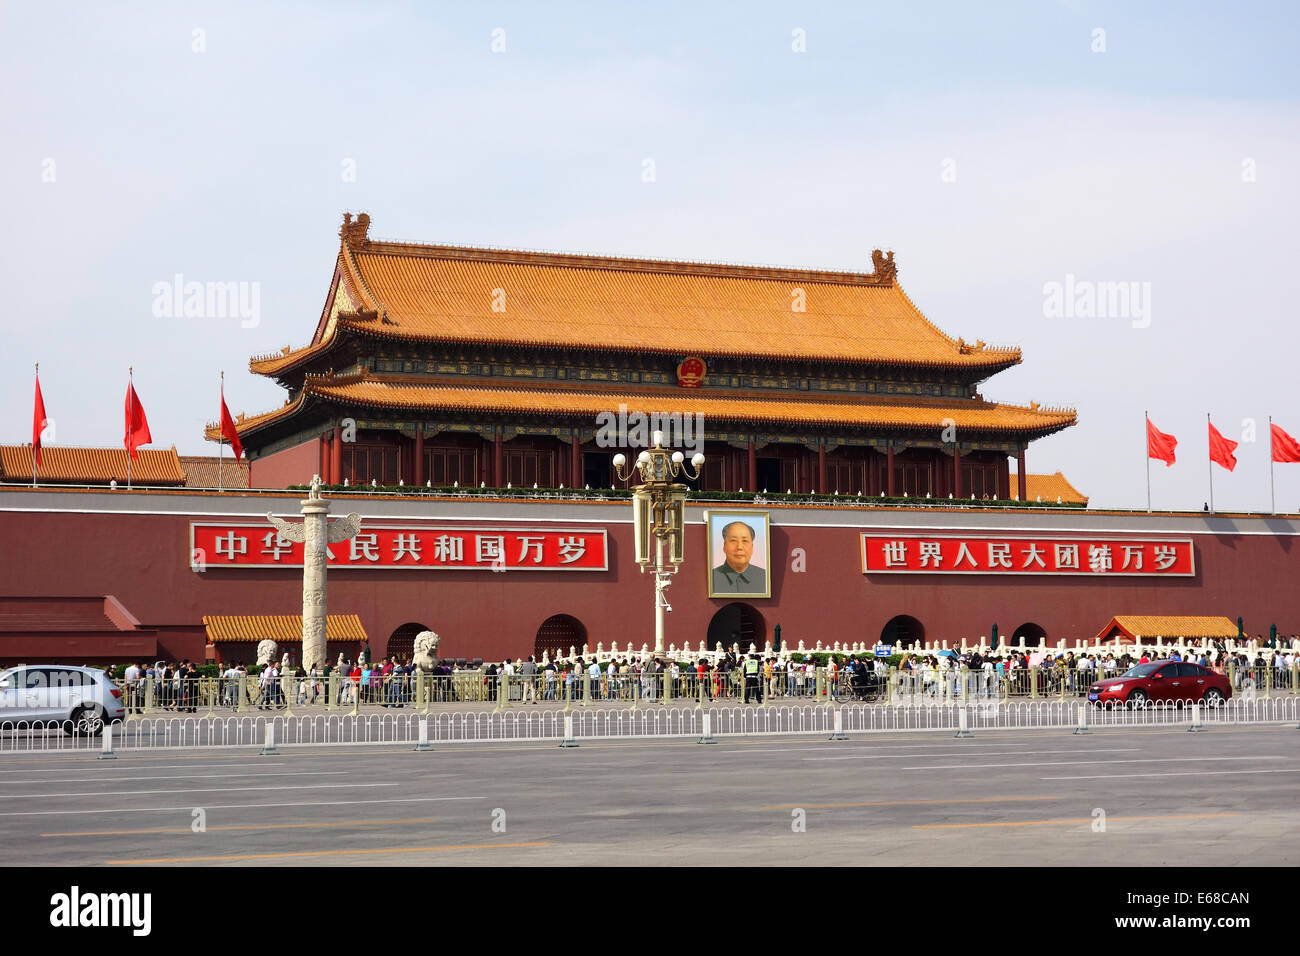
(281, 628)
(1134, 626)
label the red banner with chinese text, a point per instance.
(438, 548)
(987, 554)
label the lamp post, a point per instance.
(659, 512)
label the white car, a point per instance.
(80, 699)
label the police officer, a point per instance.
(751, 679)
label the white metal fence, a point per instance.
(249, 730)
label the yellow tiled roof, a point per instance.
(91, 466)
(439, 293)
(1144, 625)
(206, 471)
(281, 628)
(277, 362)
(1049, 488)
(750, 407)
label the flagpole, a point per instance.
(221, 441)
(1272, 498)
(130, 420)
(38, 437)
(1210, 463)
(1147, 415)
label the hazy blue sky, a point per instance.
(989, 145)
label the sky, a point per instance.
(1002, 151)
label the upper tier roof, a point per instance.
(453, 294)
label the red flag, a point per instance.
(1221, 449)
(1285, 448)
(39, 422)
(1160, 445)
(137, 426)
(228, 427)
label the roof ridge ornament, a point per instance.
(883, 266)
(355, 234)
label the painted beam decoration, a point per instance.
(221, 545)
(1014, 554)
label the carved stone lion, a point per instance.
(266, 652)
(426, 651)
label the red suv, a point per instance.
(1160, 682)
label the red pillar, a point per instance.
(821, 468)
(889, 471)
(498, 461)
(956, 472)
(753, 467)
(419, 457)
(1020, 477)
(323, 464)
(336, 458)
(575, 460)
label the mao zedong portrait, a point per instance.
(736, 575)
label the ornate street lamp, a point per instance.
(659, 510)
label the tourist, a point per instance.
(267, 684)
(231, 677)
(550, 678)
(528, 677)
(132, 680)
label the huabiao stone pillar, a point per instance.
(316, 534)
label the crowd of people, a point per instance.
(390, 682)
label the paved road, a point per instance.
(1024, 798)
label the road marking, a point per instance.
(194, 776)
(231, 806)
(174, 766)
(983, 753)
(905, 803)
(1189, 773)
(133, 793)
(1039, 823)
(1075, 763)
(302, 853)
(250, 826)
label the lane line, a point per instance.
(302, 853)
(250, 826)
(1189, 773)
(1040, 823)
(905, 803)
(1076, 763)
(134, 793)
(173, 766)
(193, 776)
(980, 753)
(230, 806)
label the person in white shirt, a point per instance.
(269, 682)
(132, 680)
(231, 677)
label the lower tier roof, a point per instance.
(434, 400)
